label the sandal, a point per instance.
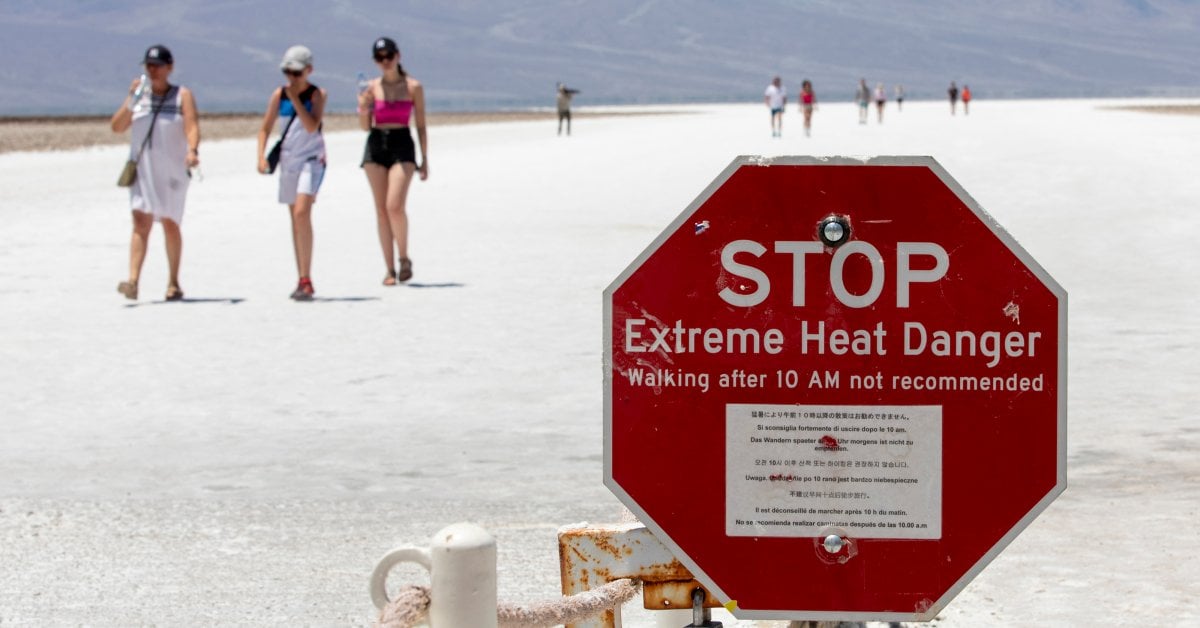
(174, 293)
(390, 279)
(129, 289)
(405, 269)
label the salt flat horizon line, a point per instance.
(85, 115)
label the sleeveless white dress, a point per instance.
(162, 174)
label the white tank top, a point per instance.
(168, 144)
(299, 146)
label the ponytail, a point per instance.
(400, 69)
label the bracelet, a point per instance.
(195, 150)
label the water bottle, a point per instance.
(134, 102)
(363, 82)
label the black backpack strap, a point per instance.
(287, 126)
(305, 97)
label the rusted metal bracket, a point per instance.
(590, 555)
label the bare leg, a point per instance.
(174, 240)
(302, 234)
(399, 177)
(377, 176)
(142, 222)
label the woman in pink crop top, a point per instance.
(392, 113)
(808, 102)
(390, 158)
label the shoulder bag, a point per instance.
(273, 156)
(129, 172)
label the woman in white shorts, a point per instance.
(165, 141)
(298, 106)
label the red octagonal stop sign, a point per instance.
(835, 388)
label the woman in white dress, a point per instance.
(165, 142)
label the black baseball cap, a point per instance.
(158, 54)
(384, 45)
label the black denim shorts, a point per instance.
(388, 147)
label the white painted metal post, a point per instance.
(593, 554)
(463, 577)
(461, 560)
(672, 619)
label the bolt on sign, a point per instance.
(835, 388)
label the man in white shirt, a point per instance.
(776, 99)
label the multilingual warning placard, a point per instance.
(810, 470)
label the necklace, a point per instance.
(398, 88)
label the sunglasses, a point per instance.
(293, 73)
(385, 57)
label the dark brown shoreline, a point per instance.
(44, 133)
(1177, 110)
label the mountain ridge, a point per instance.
(509, 54)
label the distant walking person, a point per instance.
(899, 98)
(775, 97)
(966, 98)
(808, 101)
(863, 96)
(386, 109)
(165, 143)
(301, 160)
(563, 103)
(953, 93)
(880, 101)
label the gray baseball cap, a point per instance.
(296, 58)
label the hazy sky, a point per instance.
(510, 54)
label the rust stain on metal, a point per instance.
(664, 572)
(592, 555)
(605, 544)
(673, 594)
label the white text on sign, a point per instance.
(906, 275)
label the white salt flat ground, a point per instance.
(240, 459)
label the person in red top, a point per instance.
(390, 159)
(966, 98)
(808, 101)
